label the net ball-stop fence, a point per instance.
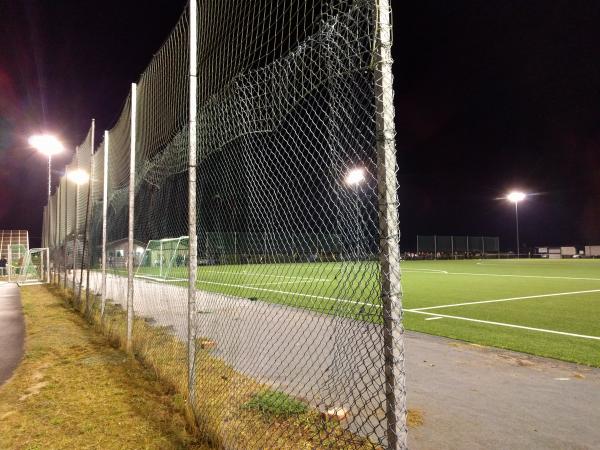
(226, 237)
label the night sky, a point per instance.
(489, 96)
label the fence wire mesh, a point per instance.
(457, 246)
(290, 334)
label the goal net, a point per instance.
(165, 260)
(33, 268)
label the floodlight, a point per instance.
(355, 176)
(516, 196)
(46, 144)
(79, 176)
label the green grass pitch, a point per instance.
(543, 307)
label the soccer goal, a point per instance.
(165, 260)
(34, 267)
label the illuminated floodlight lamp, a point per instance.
(46, 144)
(516, 196)
(78, 176)
(355, 176)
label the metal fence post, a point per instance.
(89, 211)
(85, 229)
(48, 264)
(58, 204)
(75, 230)
(66, 221)
(9, 262)
(104, 231)
(130, 249)
(193, 243)
(391, 291)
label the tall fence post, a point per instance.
(58, 204)
(9, 262)
(75, 230)
(104, 230)
(391, 291)
(89, 211)
(66, 227)
(193, 242)
(130, 248)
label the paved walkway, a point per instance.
(471, 397)
(12, 330)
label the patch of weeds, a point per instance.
(276, 403)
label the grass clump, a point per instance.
(276, 403)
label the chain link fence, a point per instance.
(455, 247)
(239, 231)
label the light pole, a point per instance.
(47, 145)
(516, 197)
(354, 178)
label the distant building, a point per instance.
(116, 253)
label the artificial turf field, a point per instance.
(543, 307)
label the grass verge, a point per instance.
(73, 390)
(231, 409)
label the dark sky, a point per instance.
(489, 96)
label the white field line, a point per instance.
(280, 282)
(434, 318)
(510, 299)
(162, 280)
(424, 270)
(523, 276)
(263, 275)
(508, 325)
(277, 291)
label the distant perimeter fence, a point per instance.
(456, 247)
(239, 226)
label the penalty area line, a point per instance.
(507, 325)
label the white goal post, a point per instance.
(164, 260)
(34, 267)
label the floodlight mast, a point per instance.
(516, 197)
(49, 146)
(354, 178)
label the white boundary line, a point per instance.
(508, 325)
(224, 272)
(299, 294)
(280, 282)
(445, 272)
(510, 299)
(522, 276)
(162, 280)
